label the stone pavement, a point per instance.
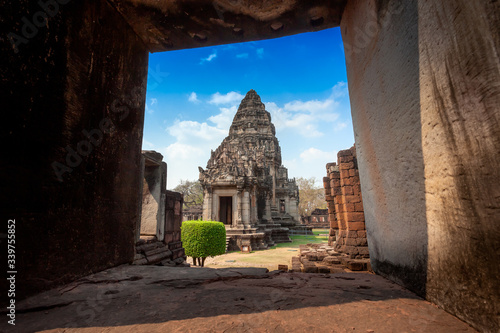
(176, 299)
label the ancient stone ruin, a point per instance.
(317, 219)
(244, 184)
(345, 206)
(347, 248)
(159, 239)
(423, 85)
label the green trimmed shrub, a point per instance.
(202, 239)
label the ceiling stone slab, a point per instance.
(167, 25)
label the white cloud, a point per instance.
(191, 132)
(314, 154)
(147, 144)
(148, 110)
(193, 98)
(191, 148)
(260, 53)
(224, 119)
(340, 90)
(242, 56)
(209, 58)
(306, 117)
(314, 106)
(229, 98)
(340, 126)
(154, 101)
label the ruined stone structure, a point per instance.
(158, 239)
(317, 219)
(345, 206)
(194, 212)
(244, 184)
(423, 81)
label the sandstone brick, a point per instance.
(355, 266)
(346, 166)
(346, 181)
(334, 182)
(356, 189)
(361, 233)
(347, 190)
(352, 199)
(351, 241)
(344, 174)
(346, 159)
(349, 207)
(329, 198)
(331, 164)
(352, 233)
(355, 217)
(363, 250)
(361, 241)
(336, 190)
(310, 269)
(356, 226)
(342, 153)
(334, 225)
(323, 269)
(312, 257)
(353, 172)
(358, 207)
(283, 268)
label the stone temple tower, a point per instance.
(245, 185)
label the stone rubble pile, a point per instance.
(322, 258)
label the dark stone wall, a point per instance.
(425, 94)
(73, 98)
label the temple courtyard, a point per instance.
(133, 298)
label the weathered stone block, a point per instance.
(356, 226)
(355, 266)
(309, 269)
(358, 207)
(352, 199)
(346, 181)
(334, 182)
(347, 190)
(349, 207)
(355, 217)
(323, 269)
(346, 166)
(346, 159)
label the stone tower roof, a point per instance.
(250, 150)
(252, 114)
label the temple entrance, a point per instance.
(226, 210)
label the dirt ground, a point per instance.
(281, 254)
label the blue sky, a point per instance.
(193, 94)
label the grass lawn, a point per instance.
(270, 258)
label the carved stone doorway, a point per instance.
(226, 210)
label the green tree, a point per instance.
(192, 191)
(201, 239)
(311, 196)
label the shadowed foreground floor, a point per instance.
(170, 299)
